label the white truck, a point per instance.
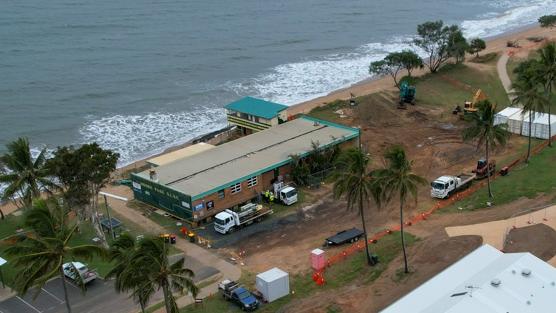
(228, 221)
(72, 269)
(286, 194)
(444, 186)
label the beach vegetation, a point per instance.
(82, 172)
(26, 177)
(398, 179)
(144, 267)
(354, 182)
(39, 255)
(434, 38)
(485, 133)
(476, 45)
(394, 62)
(457, 45)
(547, 21)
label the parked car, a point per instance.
(239, 295)
(72, 269)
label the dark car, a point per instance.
(244, 299)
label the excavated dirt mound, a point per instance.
(538, 239)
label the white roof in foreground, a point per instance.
(469, 286)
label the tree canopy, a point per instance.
(457, 45)
(25, 176)
(547, 21)
(394, 62)
(436, 39)
(476, 45)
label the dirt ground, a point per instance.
(539, 239)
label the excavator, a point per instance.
(470, 107)
(482, 170)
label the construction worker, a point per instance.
(271, 198)
(267, 195)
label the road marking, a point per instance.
(53, 296)
(32, 307)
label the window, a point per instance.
(252, 181)
(221, 194)
(235, 188)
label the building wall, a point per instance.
(264, 182)
(174, 202)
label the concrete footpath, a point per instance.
(494, 233)
(502, 69)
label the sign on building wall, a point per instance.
(210, 205)
(199, 207)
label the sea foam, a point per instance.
(139, 136)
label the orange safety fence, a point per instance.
(318, 276)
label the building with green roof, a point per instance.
(199, 186)
(252, 114)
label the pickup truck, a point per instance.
(348, 235)
(73, 268)
(444, 186)
(242, 297)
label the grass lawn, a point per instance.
(327, 112)
(455, 84)
(538, 177)
(354, 268)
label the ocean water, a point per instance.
(139, 76)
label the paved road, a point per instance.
(100, 297)
(269, 224)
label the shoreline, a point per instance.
(496, 43)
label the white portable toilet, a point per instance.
(273, 284)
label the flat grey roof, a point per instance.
(235, 161)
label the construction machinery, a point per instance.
(407, 95)
(470, 107)
(482, 170)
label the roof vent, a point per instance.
(316, 123)
(495, 282)
(526, 272)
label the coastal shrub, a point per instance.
(439, 42)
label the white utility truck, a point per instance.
(286, 194)
(228, 221)
(73, 269)
(444, 186)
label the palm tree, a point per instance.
(144, 268)
(399, 178)
(121, 253)
(354, 181)
(25, 177)
(527, 93)
(484, 131)
(548, 61)
(40, 256)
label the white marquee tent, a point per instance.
(502, 116)
(540, 126)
